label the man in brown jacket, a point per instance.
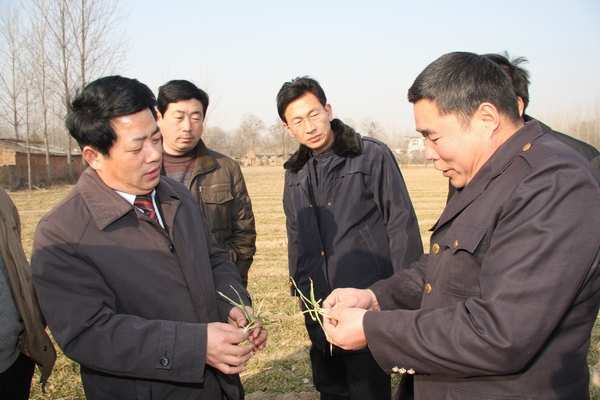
(215, 180)
(23, 338)
(127, 271)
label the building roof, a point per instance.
(20, 146)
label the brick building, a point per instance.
(13, 164)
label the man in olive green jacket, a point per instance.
(24, 340)
(215, 180)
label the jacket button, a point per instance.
(455, 243)
(402, 371)
(322, 254)
(435, 248)
(410, 371)
(164, 361)
(171, 248)
(329, 204)
(428, 288)
(527, 147)
(395, 370)
(310, 205)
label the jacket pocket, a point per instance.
(217, 201)
(460, 264)
(378, 259)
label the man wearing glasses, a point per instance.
(350, 223)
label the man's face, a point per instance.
(457, 150)
(310, 123)
(181, 126)
(133, 163)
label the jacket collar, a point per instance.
(204, 161)
(345, 140)
(106, 206)
(495, 166)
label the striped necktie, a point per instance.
(144, 203)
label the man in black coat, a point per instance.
(350, 222)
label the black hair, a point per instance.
(97, 103)
(178, 90)
(518, 75)
(459, 82)
(296, 88)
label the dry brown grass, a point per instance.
(282, 370)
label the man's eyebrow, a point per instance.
(143, 137)
(308, 113)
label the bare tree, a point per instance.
(209, 82)
(284, 143)
(101, 44)
(250, 131)
(39, 54)
(371, 127)
(86, 42)
(11, 79)
(61, 61)
(217, 139)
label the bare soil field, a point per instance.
(282, 370)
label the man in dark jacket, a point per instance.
(23, 338)
(350, 223)
(127, 271)
(503, 305)
(215, 180)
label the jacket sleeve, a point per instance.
(292, 234)
(34, 341)
(242, 243)
(395, 206)
(539, 256)
(80, 309)
(404, 289)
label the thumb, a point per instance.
(332, 314)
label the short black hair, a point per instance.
(296, 88)
(97, 103)
(518, 75)
(459, 82)
(179, 90)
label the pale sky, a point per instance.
(365, 54)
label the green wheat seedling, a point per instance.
(313, 307)
(254, 318)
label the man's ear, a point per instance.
(488, 115)
(288, 130)
(329, 111)
(159, 116)
(521, 105)
(93, 157)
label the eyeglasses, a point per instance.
(298, 124)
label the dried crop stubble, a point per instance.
(283, 367)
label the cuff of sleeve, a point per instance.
(181, 353)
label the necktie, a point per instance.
(144, 203)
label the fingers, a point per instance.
(223, 350)
(237, 318)
(258, 337)
(330, 316)
(344, 328)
